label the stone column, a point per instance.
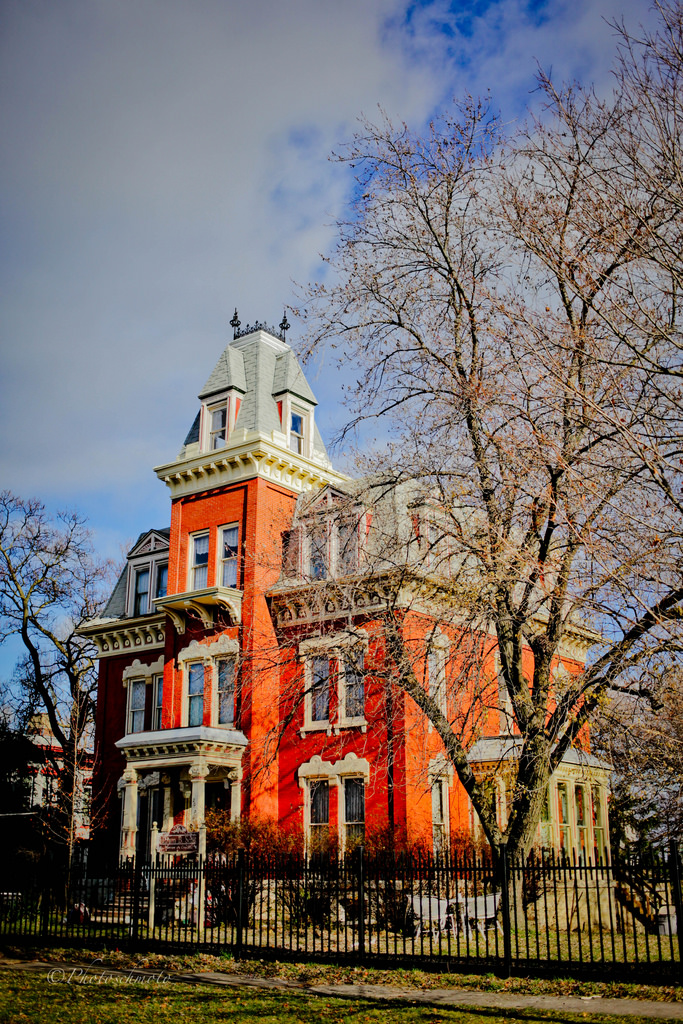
(234, 780)
(129, 830)
(166, 822)
(198, 773)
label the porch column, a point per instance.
(198, 773)
(166, 822)
(128, 783)
(235, 782)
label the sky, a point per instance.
(165, 161)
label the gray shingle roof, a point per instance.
(259, 369)
(227, 373)
(507, 748)
(289, 377)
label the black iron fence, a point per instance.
(533, 915)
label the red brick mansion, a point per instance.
(242, 660)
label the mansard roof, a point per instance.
(228, 373)
(260, 367)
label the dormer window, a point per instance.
(218, 420)
(147, 573)
(218, 427)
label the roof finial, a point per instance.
(284, 325)
(235, 324)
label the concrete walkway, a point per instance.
(444, 997)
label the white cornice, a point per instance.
(257, 456)
(120, 636)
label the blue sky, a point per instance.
(164, 161)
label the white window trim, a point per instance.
(223, 647)
(333, 647)
(190, 561)
(136, 670)
(350, 766)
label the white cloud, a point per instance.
(164, 161)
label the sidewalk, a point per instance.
(455, 998)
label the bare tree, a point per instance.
(49, 586)
(645, 744)
(512, 321)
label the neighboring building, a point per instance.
(33, 777)
(242, 653)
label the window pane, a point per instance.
(195, 690)
(162, 581)
(348, 547)
(200, 561)
(354, 810)
(226, 691)
(141, 592)
(354, 795)
(296, 433)
(138, 693)
(437, 679)
(230, 544)
(320, 691)
(318, 563)
(219, 422)
(354, 679)
(158, 701)
(320, 803)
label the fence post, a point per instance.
(135, 914)
(240, 902)
(45, 906)
(506, 967)
(675, 868)
(153, 859)
(201, 883)
(361, 902)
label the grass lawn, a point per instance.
(335, 974)
(35, 999)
